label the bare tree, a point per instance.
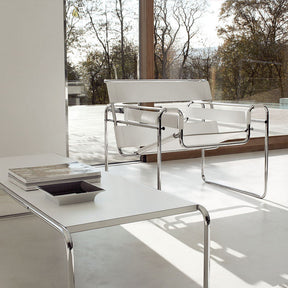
(200, 64)
(188, 12)
(173, 22)
(119, 12)
(99, 25)
(165, 36)
(73, 14)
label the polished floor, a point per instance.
(249, 244)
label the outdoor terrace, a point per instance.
(86, 132)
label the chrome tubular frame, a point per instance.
(159, 141)
(180, 135)
(60, 228)
(266, 152)
(106, 137)
(206, 219)
(69, 243)
(111, 108)
(159, 148)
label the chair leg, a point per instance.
(203, 165)
(266, 152)
(260, 196)
(106, 140)
(159, 156)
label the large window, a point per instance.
(102, 43)
(240, 47)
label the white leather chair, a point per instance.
(184, 118)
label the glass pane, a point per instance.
(102, 43)
(185, 35)
(240, 47)
(252, 60)
(247, 58)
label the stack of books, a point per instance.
(30, 178)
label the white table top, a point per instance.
(121, 202)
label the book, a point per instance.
(29, 178)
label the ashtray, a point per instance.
(71, 192)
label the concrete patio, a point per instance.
(86, 132)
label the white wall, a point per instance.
(32, 80)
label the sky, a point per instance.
(208, 24)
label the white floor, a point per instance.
(249, 246)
